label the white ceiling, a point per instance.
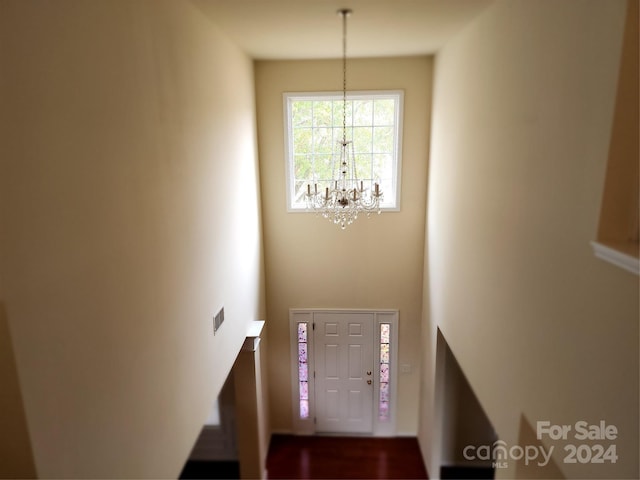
(300, 29)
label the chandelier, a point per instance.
(347, 196)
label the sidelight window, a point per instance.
(303, 369)
(385, 347)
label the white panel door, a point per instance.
(343, 368)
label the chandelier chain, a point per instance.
(344, 195)
(344, 13)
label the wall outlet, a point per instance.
(217, 320)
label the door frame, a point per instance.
(306, 426)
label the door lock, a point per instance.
(369, 373)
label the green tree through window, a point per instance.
(315, 128)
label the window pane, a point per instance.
(322, 140)
(301, 113)
(363, 166)
(337, 113)
(382, 164)
(363, 112)
(322, 113)
(384, 353)
(323, 166)
(384, 372)
(304, 391)
(302, 141)
(362, 138)
(384, 333)
(337, 140)
(383, 139)
(303, 372)
(384, 411)
(383, 112)
(303, 166)
(302, 332)
(302, 352)
(300, 189)
(384, 392)
(304, 408)
(349, 114)
(386, 185)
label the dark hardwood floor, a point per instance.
(304, 457)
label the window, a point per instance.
(385, 344)
(314, 127)
(303, 370)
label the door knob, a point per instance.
(368, 382)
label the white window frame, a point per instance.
(306, 426)
(289, 97)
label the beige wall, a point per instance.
(374, 263)
(126, 126)
(523, 107)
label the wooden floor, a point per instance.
(339, 457)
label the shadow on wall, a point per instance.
(470, 446)
(15, 445)
(215, 453)
(528, 438)
(467, 434)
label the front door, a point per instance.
(344, 365)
